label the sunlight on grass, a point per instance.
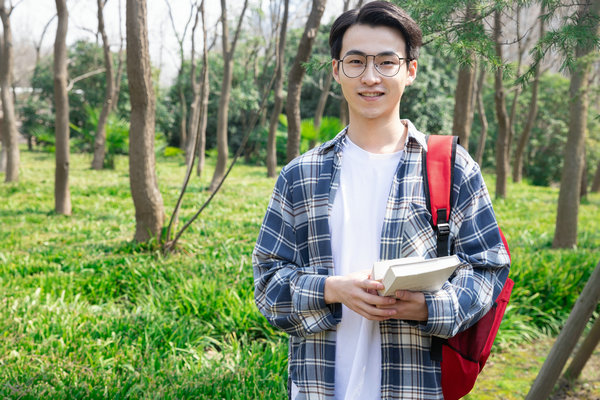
(88, 314)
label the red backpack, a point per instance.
(463, 356)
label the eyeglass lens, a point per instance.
(354, 65)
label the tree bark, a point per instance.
(223, 113)
(183, 128)
(11, 135)
(584, 353)
(533, 108)
(149, 209)
(107, 106)
(567, 338)
(463, 104)
(205, 91)
(463, 95)
(596, 183)
(62, 195)
(278, 106)
(2, 145)
(194, 117)
(565, 234)
(297, 74)
(482, 116)
(344, 113)
(502, 164)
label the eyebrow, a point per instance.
(362, 53)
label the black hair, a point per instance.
(377, 13)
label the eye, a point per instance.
(354, 60)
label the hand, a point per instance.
(359, 293)
(409, 306)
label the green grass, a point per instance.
(87, 314)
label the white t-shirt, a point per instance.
(356, 223)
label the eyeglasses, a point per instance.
(387, 64)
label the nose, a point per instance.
(370, 76)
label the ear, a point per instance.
(335, 66)
(412, 72)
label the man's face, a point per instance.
(372, 95)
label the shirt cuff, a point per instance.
(309, 302)
(441, 308)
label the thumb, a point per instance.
(404, 295)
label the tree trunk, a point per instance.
(463, 95)
(204, 105)
(584, 179)
(149, 209)
(584, 352)
(344, 114)
(463, 104)
(596, 182)
(322, 101)
(107, 106)
(62, 196)
(482, 117)
(503, 121)
(297, 74)
(223, 113)
(194, 117)
(565, 234)
(533, 108)
(278, 106)
(2, 145)
(567, 338)
(11, 135)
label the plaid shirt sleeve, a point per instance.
(471, 292)
(287, 292)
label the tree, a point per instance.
(2, 145)
(278, 106)
(204, 93)
(463, 96)
(149, 209)
(565, 234)
(502, 140)
(596, 182)
(8, 107)
(195, 107)
(62, 195)
(297, 74)
(223, 114)
(482, 116)
(182, 103)
(531, 116)
(111, 93)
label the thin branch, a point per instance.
(84, 76)
(38, 44)
(170, 246)
(238, 28)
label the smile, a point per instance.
(371, 94)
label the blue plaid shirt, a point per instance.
(293, 257)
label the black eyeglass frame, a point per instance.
(400, 59)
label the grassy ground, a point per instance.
(88, 314)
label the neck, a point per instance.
(378, 136)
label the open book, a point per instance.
(414, 273)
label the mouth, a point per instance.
(370, 94)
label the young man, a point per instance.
(357, 199)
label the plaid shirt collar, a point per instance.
(339, 141)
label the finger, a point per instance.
(369, 284)
(375, 313)
(377, 300)
(406, 295)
